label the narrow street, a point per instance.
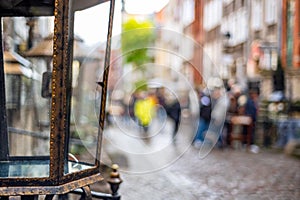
(159, 169)
(139, 152)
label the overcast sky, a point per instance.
(91, 25)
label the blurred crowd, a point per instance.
(222, 108)
(143, 106)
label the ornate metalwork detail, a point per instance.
(115, 180)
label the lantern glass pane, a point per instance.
(87, 68)
(27, 108)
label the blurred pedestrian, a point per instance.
(160, 94)
(174, 113)
(251, 109)
(233, 94)
(204, 118)
(132, 100)
(144, 111)
(247, 106)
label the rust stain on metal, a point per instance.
(47, 190)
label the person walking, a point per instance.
(251, 109)
(204, 119)
(174, 113)
(144, 110)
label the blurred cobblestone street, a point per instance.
(227, 174)
(223, 174)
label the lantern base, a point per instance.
(50, 190)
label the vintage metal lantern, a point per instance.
(37, 155)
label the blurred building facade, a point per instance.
(233, 39)
(290, 46)
(245, 38)
(175, 44)
(238, 39)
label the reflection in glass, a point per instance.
(29, 168)
(87, 67)
(34, 168)
(27, 111)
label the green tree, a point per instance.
(137, 36)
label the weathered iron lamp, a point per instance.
(56, 173)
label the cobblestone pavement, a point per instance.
(222, 174)
(226, 174)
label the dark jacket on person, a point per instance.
(205, 108)
(174, 111)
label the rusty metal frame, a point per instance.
(60, 75)
(3, 120)
(104, 83)
(47, 190)
(61, 95)
(27, 8)
(58, 181)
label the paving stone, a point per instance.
(226, 174)
(222, 175)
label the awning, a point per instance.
(13, 57)
(44, 49)
(15, 64)
(17, 69)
